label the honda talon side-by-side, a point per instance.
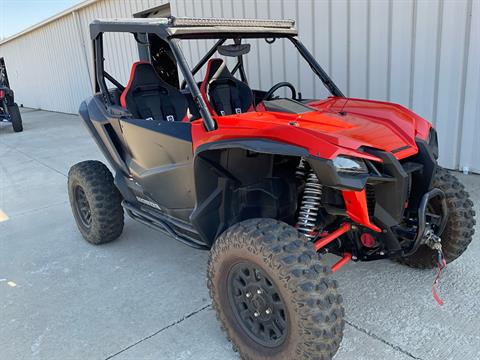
(267, 179)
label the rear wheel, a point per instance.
(460, 224)
(272, 294)
(95, 202)
(15, 117)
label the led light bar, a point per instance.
(140, 21)
(186, 21)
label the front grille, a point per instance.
(370, 193)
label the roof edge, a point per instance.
(52, 18)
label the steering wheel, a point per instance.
(279, 85)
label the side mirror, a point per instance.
(234, 50)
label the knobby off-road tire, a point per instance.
(95, 202)
(311, 306)
(460, 224)
(15, 117)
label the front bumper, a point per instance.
(379, 201)
(422, 218)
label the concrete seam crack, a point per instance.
(185, 317)
(40, 162)
(376, 337)
(30, 211)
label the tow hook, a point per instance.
(434, 242)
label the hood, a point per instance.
(334, 126)
(384, 126)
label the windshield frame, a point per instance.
(140, 32)
(188, 73)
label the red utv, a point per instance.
(265, 179)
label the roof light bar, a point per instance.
(140, 21)
(186, 21)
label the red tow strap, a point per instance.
(442, 264)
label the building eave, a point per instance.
(49, 20)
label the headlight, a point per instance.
(348, 164)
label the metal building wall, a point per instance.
(423, 54)
(46, 67)
(120, 49)
(50, 67)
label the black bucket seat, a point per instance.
(223, 93)
(149, 97)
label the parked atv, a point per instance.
(9, 111)
(267, 183)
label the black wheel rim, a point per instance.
(82, 207)
(257, 304)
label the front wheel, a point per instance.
(459, 228)
(95, 201)
(16, 118)
(272, 294)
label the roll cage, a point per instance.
(173, 29)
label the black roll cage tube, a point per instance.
(194, 90)
(238, 66)
(204, 59)
(317, 69)
(101, 74)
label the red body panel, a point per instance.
(357, 209)
(338, 126)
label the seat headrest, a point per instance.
(217, 70)
(146, 91)
(223, 93)
(142, 73)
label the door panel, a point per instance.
(162, 161)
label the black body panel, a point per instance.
(408, 190)
(156, 184)
(162, 162)
(98, 120)
(227, 194)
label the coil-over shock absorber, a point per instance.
(310, 205)
(300, 172)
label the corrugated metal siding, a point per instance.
(469, 144)
(422, 54)
(47, 67)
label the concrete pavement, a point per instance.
(144, 296)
